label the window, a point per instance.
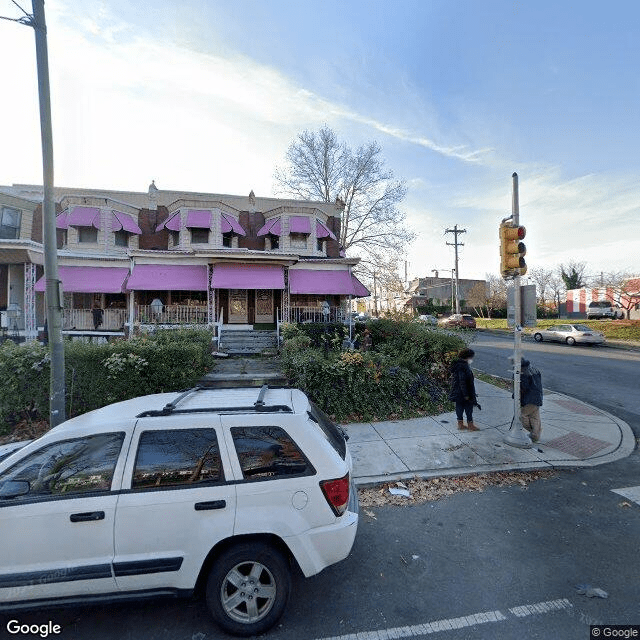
(87, 235)
(174, 236)
(177, 457)
(10, 223)
(227, 240)
(320, 244)
(121, 238)
(69, 467)
(331, 431)
(298, 240)
(275, 241)
(199, 236)
(265, 453)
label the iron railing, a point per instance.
(82, 320)
(316, 314)
(170, 314)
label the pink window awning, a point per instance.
(84, 217)
(227, 275)
(322, 231)
(62, 220)
(299, 224)
(89, 279)
(325, 282)
(198, 219)
(172, 223)
(168, 277)
(124, 222)
(229, 223)
(272, 226)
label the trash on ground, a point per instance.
(591, 592)
(394, 491)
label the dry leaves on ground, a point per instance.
(426, 490)
(26, 430)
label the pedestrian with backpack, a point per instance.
(531, 398)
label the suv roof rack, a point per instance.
(258, 405)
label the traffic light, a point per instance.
(512, 250)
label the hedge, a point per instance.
(406, 371)
(99, 374)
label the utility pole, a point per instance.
(456, 244)
(53, 284)
(375, 294)
(517, 436)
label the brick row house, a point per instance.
(131, 260)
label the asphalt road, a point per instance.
(483, 562)
(605, 377)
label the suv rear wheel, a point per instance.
(248, 588)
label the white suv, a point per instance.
(227, 489)
(604, 309)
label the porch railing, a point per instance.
(82, 319)
(315, 314)
(170, 314)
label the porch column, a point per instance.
(286, 301)
(131, 312)
(30, 331)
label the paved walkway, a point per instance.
(574, 434)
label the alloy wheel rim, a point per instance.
(248, 592)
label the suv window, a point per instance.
(69, 467)
(177, 457)
(266, 453)
(601, 304)
(331, 431)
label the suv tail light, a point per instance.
(337, 494)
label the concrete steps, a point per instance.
(244, 342)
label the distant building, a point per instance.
(439, 291)
(578, 299)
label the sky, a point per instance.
(205, 95)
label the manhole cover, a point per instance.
(578, 445)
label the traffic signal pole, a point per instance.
(517, 436)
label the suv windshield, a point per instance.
(602, 304)
(332, 432)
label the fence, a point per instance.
(82, 319)
(170, 314)
(315, 314)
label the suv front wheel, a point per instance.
(248, 588)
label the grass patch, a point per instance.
(496, 381)
(613, 329)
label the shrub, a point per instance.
(99, 374)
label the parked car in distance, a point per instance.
(459, 320)
(570, 334)
(604, 309)
(429, 319)
(228, 489)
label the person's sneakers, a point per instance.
(461, 425)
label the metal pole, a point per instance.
(452, 272)
(517, 436)
(375, 294)
(457, 283)
(53, 288)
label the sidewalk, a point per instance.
(574, 434)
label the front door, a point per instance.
(238, 307)
(264, 305)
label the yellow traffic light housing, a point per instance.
(512, 250)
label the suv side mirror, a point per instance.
(14, 489)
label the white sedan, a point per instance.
(570, 334)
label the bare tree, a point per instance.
(542, 278)
(477, 298)
(320, 167)
(623, 290)
(557, 290)
(497, 297)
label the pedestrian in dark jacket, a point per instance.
(463, 390)
(530, 398)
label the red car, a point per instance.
(459, 320)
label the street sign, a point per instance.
(527, 306)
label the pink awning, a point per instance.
(122, 221)
(198, 219)
(272, 226)
(299, 224)
(229, 223)
(89, 279)
(247, 276)
(168, 277)
(325, 282)
(322, 231)
(172, 223)
(84, 217)
(62, 220)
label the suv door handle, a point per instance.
(213, 504)
(87, 517)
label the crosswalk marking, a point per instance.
(631, 493)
